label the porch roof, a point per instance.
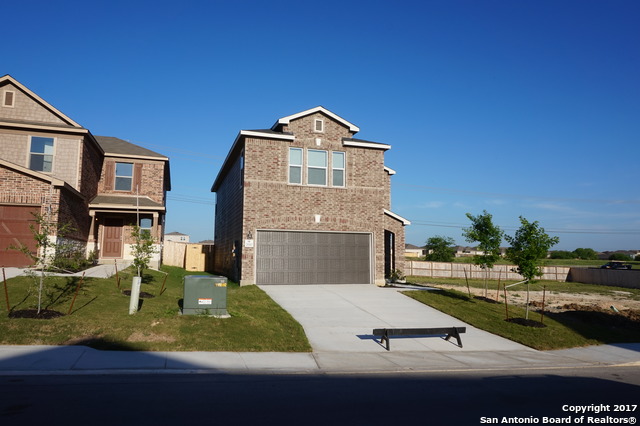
(124, 202)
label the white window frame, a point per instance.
(342, 169)
(13, 99)
(315, 125)
(325, 168)
(299, 166)
(150, 228)
(31, 153)
(116, 176)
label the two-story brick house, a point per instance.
(52, 166)
(304, 202)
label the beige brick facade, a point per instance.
(263, 198)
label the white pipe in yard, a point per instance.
(135, 295)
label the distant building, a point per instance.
(176, 237)
(411, 250)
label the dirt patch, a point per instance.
(557, 301)
(33, 313)
(139, 336)
(143, 294)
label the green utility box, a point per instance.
(205, 295)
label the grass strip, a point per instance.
(100, 317)
(562, 330)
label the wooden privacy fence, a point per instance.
(457, 270)
(192, 257)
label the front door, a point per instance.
(112, 239)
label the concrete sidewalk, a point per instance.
(47, 360)
(338, 321)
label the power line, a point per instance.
(550, 230)
(425, 188)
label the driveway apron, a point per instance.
(341, 318)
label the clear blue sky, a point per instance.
(525, 108)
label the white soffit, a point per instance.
(397, 217)
(352, 127)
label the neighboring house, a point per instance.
(411, 250)
(176, 237)
(304, 202)
(51, 165)
(473, 251)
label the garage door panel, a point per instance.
(296, 257)
(15, 230)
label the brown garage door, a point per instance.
(296, 257)
(14, 230)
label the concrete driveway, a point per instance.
(340, 318)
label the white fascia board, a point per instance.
(389, 170)
(352, 127)
(366, 145)
(139, 157)
(397, 217)
(38, 175)
(56, 129)
(266, 135)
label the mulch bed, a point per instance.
(33, 313)
(143, 294)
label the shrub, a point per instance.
(620, 256)
(562, 254)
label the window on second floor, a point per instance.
(124, 177)
(337, 168)
(295, 166)
(316, 167)
(41, 154)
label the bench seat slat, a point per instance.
(386, 333)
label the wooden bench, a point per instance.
(386, 333)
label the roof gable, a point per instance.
(63, 119)
(286, 120)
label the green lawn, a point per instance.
(100, 317)
(562, 329)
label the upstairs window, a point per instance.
(317, 167)
(295, 166)
(337, 168)
(124, 177)
(41, 154)
(318, 125)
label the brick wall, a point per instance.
(151, 184)
(228, 221)
(271, 203)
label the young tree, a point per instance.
(529, 245)
(47, 236)
(440, 249)
(142, 249)
(586, 253)
(488, 236)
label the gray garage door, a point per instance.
(293, 257)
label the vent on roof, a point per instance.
(8, 100)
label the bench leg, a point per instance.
(385, 338)
(455, 334)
